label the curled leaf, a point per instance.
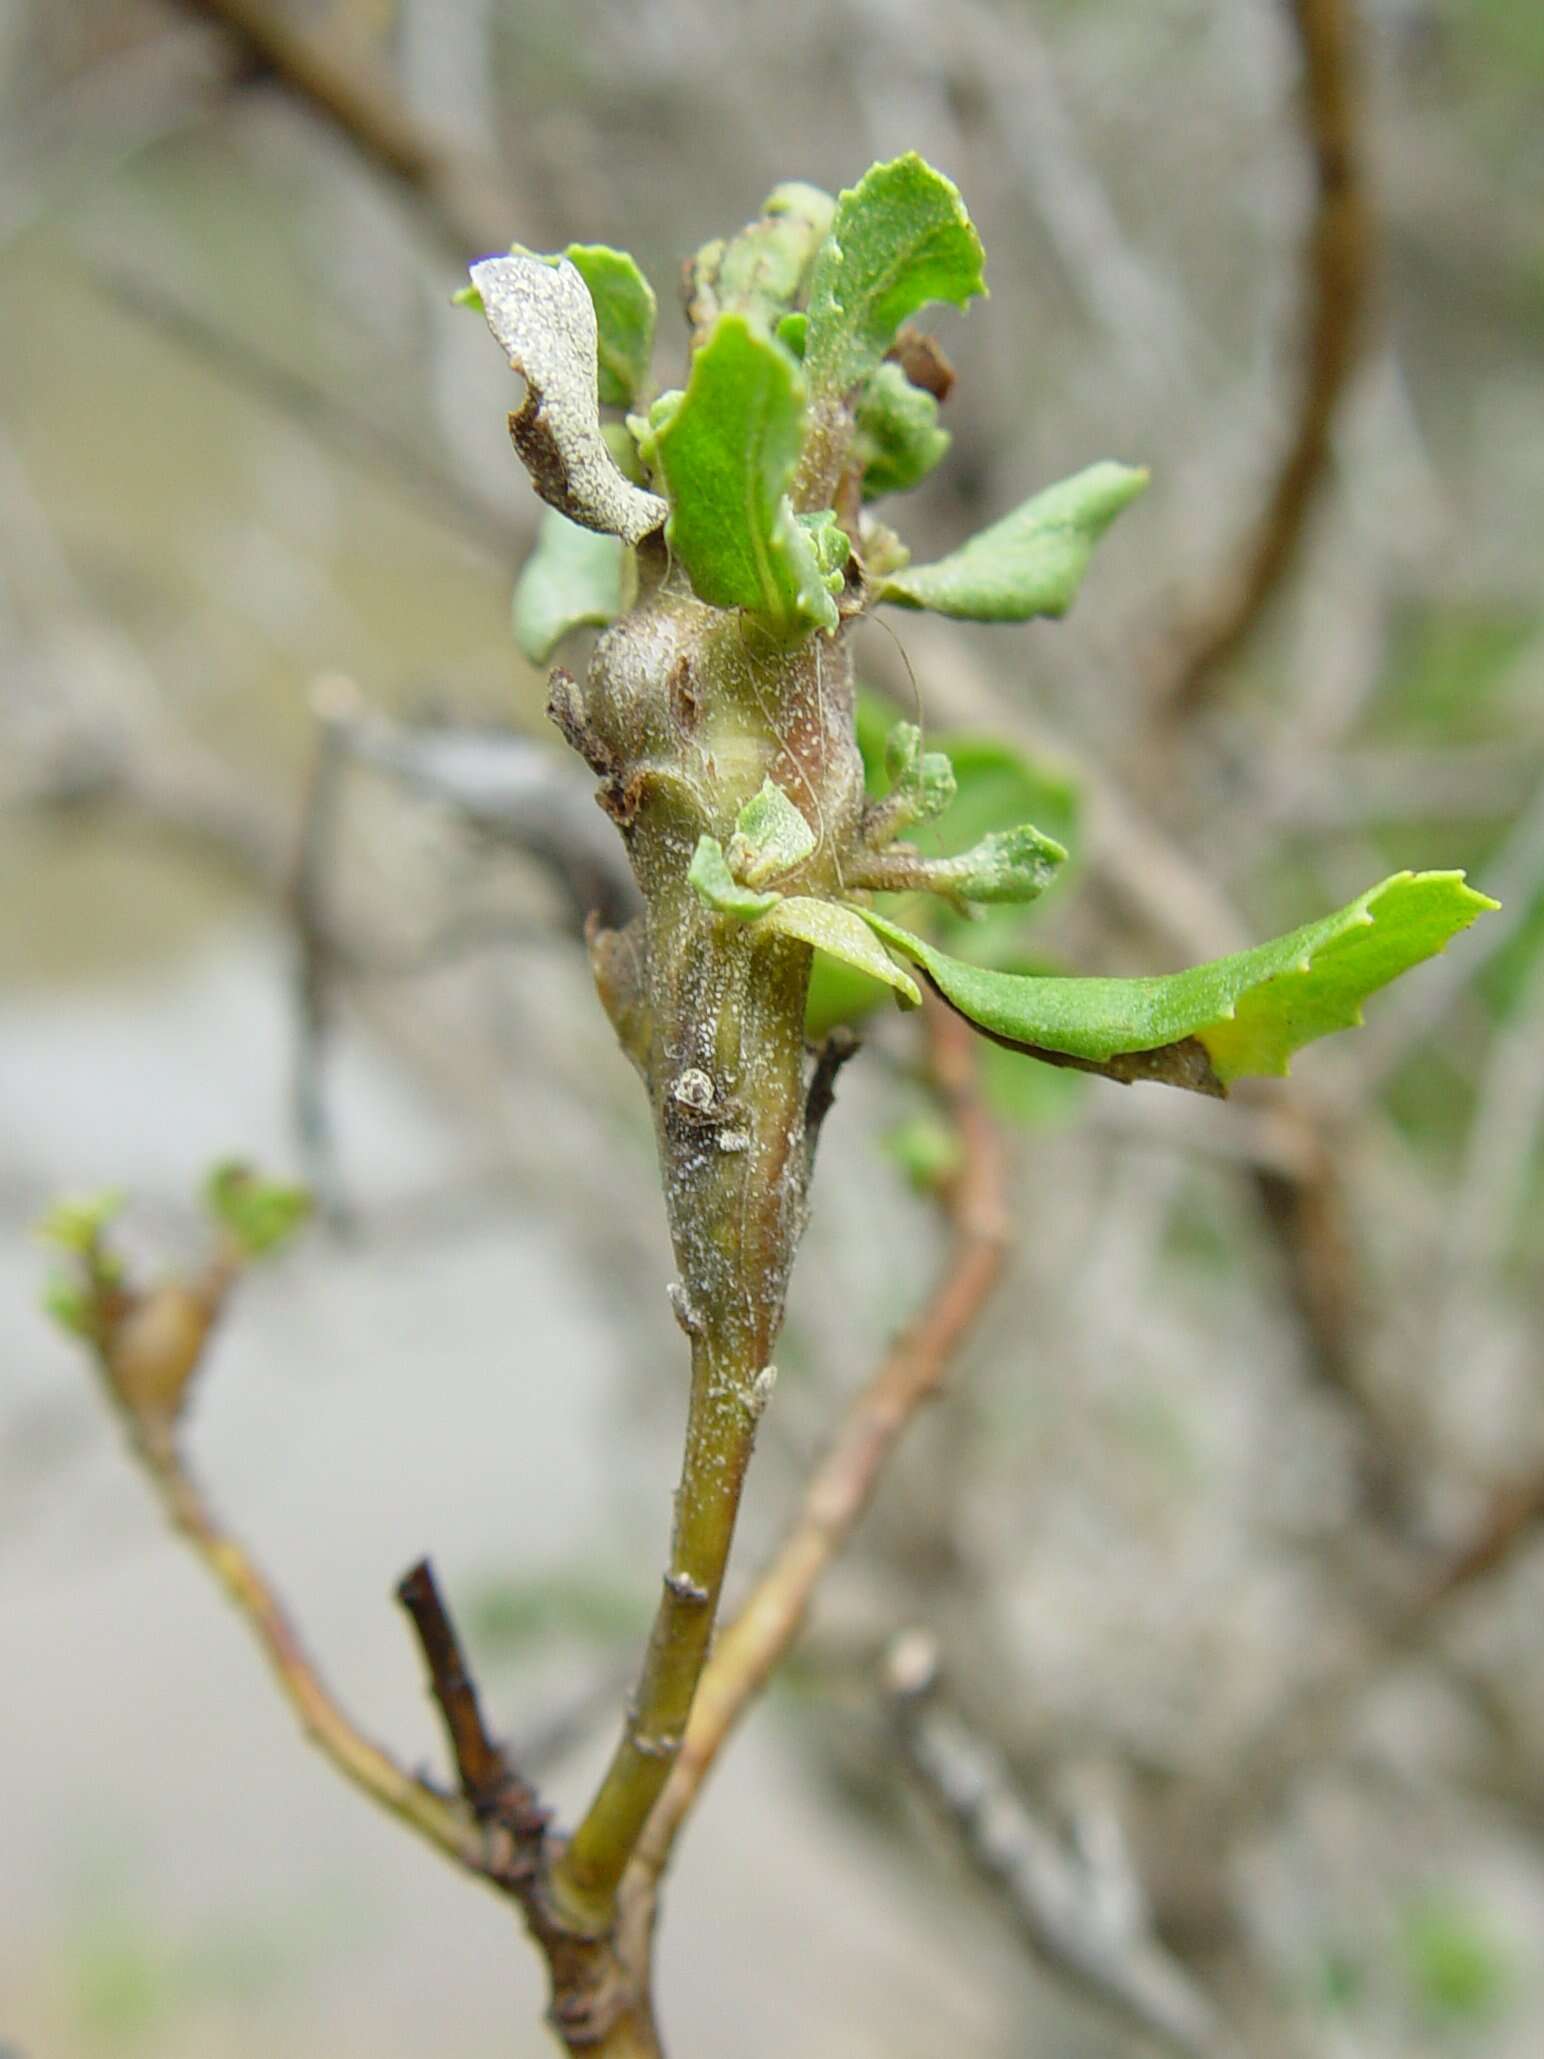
(1031, 562)
(544, 319)
(1214, 1024)
(840, 932)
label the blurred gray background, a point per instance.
(1228, 1535)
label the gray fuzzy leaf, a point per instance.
(543, 316)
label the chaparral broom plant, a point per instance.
(723, 535)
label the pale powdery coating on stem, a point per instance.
(544, 319)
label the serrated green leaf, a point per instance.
(896, 439)
(726, 455)
(1245, 1014)
(1031, 562)
(624, 320)
(716, 887)
(899, 239)
(259, 1214)
(76, 1221)
(572, 580)
(770, 837)
(841, 933)
(541, 312)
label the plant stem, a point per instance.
(728, 1081)
(844, 1483)
(435, 1817)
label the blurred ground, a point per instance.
(1199, 1533)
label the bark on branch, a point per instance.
(912, 1373)
(1336, 278)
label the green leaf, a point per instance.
(645, 428)
(541, 312)
(1215, 1023)
(716, 887)
(762, 271)
(897, 439)
(841, 994)
(922, 783)
(76, 1222)
(793, 333)
(259, 1214)
(771, 837)
(624, 320)
(1031, 562)
(72, 1306)
(1009, 865)
(727, 454)
(899, 238)
(831, 545)
(572, 580)
(840, 932)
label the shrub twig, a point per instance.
(844, 1483)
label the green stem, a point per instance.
(727, 1074)
(719, 1435)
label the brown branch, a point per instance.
(1335, 281)
(597, 2008)
(434, 1816)
(911, 1374)
(358, 99)
(487, 1780)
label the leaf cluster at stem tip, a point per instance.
(800, 400)
(808, 395)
